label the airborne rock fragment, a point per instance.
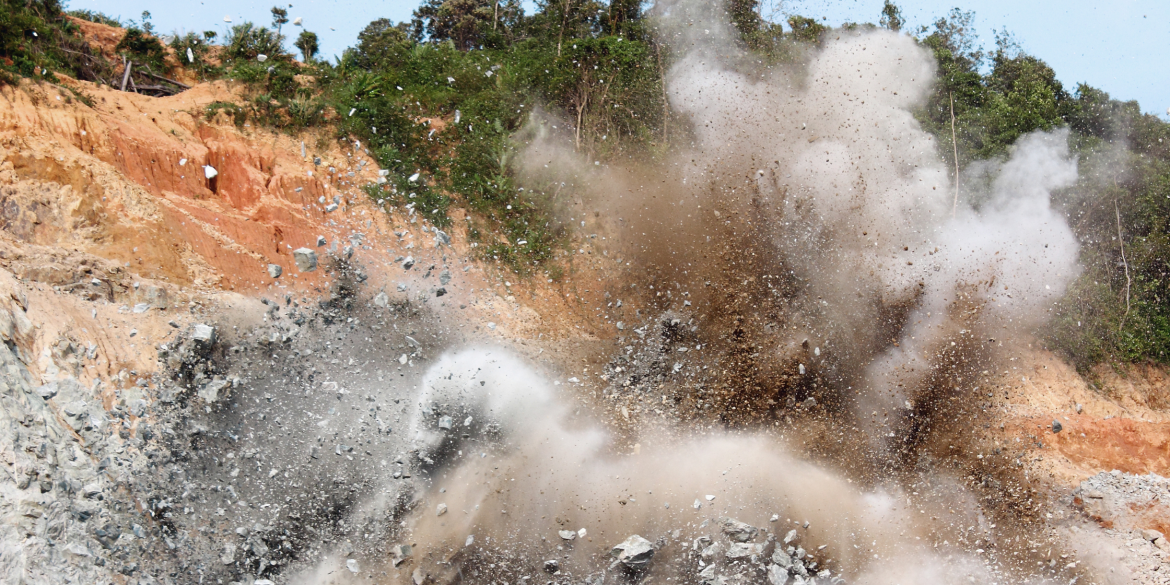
(204, 334)
(274, 270)
(738, 531)
(634, 552)
(306, 259)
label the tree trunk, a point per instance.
(126, 73)
(564, 23)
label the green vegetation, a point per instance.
(98, 17)
(1120, 208)
(36, 40)
(444, 101)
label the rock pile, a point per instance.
(741, 553)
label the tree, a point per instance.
(382, 44)
(956, 33)
(279, 18)
(147, 27)
(806, 29)
(745, 16)
(621, 13)
(892, 16)
(460, 21)
(247, 41)
(568, 19)
(307, 43)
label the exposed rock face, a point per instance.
(65, 512)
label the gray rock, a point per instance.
(1056, 426)
(634, 552)
(567, 534)
(445, 422)
(47, 391)
(306, 259)
(204, 334)
(744, 550)
(210, 392)
(157, 297)
(399, 553)
(408, 263)
(711, 552)
(320, 241)
(780, 557)
(381, 300)
(274, 270)
(551, 566)
(444, 277)
(791, 536)
(442, 509)
(709, 576)
(738, 531)
(777, 575)
(229, 554)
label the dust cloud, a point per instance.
(817, 179)
(811, 190)
(518, 468)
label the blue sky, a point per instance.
(1121, 46)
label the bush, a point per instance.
(143, 49)
(246, 42)
(98, 17)
(199, 52)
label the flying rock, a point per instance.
(274, 270)
(1056, 426)
(777, 575)
(306, 259)
(744, 550)
(738, 531)
(567, 534)
(204, 334)
(634, 552)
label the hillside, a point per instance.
(504, 305)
